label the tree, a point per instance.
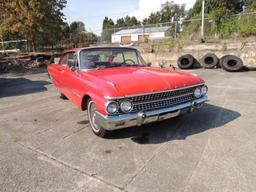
(169, 12)
(36, 20)
(120, 23)
(225, 18)
(131, 21)
(233, 6)
(154, 18)
(172, 12)
(108, 29)
(76, 34)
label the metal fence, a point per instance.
(243, 24)
(13, 46)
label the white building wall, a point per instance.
(157, 35)
(116, 38)
(135, 37)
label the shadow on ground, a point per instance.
(209, 117)
(20, 86)
(247, 69)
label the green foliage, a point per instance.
(127, 22)
(76, 34)
(247, 25)
(191, 27)
(36, 20)
(224, 18)
(77, 27)
(212, 5)
(228, 27)
(108, 23)
(107, 29)
(169, 12)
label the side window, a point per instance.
(64, 60)
(69, 59)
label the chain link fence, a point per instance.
(240, 25)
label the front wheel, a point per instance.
(97, 130)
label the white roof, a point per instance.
(141, 30)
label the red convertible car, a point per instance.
(119, 90)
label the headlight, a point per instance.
(198, 92)
(204, 90)
(112, 107)
(126, 106)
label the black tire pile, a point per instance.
(230, 63)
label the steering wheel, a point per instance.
(129, 60)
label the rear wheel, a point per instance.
(97, 130)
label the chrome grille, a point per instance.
(162, 103)
(162, 95)
(162, 99)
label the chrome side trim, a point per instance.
(149, 93)
(70, 90)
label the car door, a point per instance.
(57, 71)
(71, 79)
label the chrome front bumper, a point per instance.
(137, 119)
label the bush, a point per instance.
(228, 27)
(247, 25)
(224, 23)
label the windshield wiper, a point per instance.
(107, 65)
(132, 65)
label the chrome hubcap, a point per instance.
(92, 117)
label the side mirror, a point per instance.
(72, 68)
(149, 64)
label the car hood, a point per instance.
(138, 80)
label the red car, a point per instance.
(119, 90)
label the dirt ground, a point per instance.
(46, 143)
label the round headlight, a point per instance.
(126, 106)
(198, 92)
(112, 107)
(204, 90)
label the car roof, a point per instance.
(92, 48)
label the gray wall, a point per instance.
(245, 50)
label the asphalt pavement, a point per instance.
(46, 143)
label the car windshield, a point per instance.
(108, 58)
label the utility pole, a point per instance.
(143, 32)
(175, 30)
(202, 28)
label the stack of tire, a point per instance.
(230, 63)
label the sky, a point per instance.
(92, 12)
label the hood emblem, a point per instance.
(111, 83)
